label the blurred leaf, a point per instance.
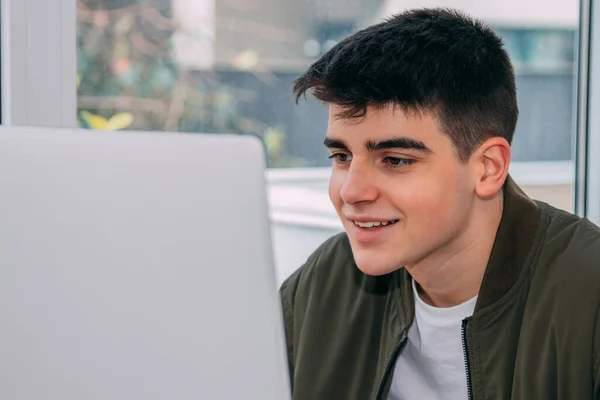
(114, 123)
(120, 121)
(94, 121)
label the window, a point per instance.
(227, 66)
(539, 51)
(544, 61)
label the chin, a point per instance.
(374, 265)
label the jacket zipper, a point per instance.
(389, 366)
(466, 354)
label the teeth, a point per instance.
(373, 224)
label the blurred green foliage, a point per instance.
(128, 78)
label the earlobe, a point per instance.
(494, 158)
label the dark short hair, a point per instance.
(425, 60)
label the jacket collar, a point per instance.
(514, 241)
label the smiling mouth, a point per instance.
(374, 224)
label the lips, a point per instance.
(367, 232)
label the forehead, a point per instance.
(385, 122)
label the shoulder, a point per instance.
(571, 244)
(569, 255)
(569, 262)
(566, 276)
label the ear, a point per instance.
(491, 161)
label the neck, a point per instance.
(453, 275)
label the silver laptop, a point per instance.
(136, 266)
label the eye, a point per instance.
(396, 162)
(340, 158)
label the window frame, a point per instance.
(587, 137)
(39, 62)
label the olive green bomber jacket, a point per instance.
(534, 334)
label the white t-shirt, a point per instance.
(432, 363)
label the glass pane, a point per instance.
(227, 66)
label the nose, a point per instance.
(359, 185)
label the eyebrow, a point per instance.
(400, 142)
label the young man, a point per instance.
(449, 282)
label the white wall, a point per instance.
(292, 244)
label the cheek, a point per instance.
(429, 201)
(335, 185)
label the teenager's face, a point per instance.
(398, 187)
